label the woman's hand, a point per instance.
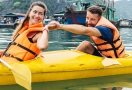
(54, 25)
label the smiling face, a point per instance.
(92, 19)
(94, 14)
(36, 15)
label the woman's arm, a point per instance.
(42, 41)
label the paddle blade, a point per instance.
(22, 75)
(109, 61)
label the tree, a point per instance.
(16, 4)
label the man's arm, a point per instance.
(80, 29)
(74, 28)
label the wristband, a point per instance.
(46, 28)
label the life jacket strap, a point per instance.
(104, 43)
(9, 55)
(14, 43)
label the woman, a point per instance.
(29, 37)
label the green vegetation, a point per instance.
(1, 7)
(16, 5)
(123, 7)
(21, 6)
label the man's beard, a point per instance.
(90, 25)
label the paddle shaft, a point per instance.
(5, 63)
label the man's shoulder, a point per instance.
(102, 27)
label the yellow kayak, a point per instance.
(69, 65)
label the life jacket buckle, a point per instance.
(13, 43)
(7, 55)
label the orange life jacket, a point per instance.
(114, 49)
(21, 48)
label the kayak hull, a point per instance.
(66, 65)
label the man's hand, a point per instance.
(54, 25)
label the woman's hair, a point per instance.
(26, 18)
(95, 10)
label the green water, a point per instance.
(62, 40)
(98, 83)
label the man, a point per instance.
(101, 31)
